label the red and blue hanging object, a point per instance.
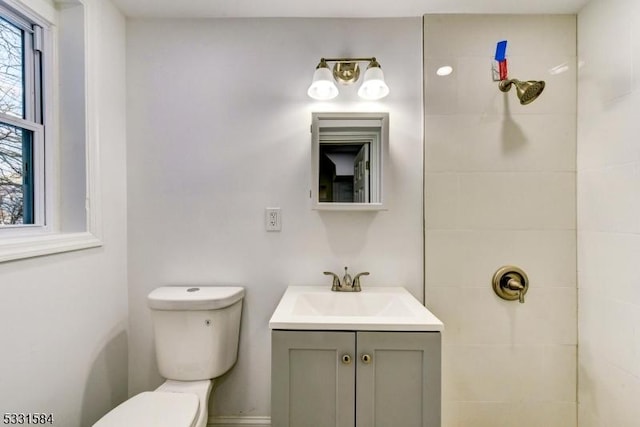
(500, 72)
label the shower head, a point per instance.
(527, 91)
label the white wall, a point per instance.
(609, 213)
(64, 317)
(500, 189)
(218, 129)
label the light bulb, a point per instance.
(322, 87)
(373, 87)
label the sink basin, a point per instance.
(375, 308)
(352, 304)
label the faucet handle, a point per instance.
(515, 284)
(356, 281)
(336, 280)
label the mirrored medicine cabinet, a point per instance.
(349, 158)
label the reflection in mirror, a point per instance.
(344, 173)
(347, 160)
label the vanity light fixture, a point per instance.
(347, 71)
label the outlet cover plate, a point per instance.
(273, 219)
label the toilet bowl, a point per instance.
(196, 332)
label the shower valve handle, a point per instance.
(510, 283)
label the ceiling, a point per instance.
(336, 8)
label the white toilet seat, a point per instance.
(157, 409)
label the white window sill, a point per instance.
(33, 246)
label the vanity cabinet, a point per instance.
(355, 379)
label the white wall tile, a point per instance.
(608, 394)
(610, 261)
(469, 258)
(509, 373)
(471, 90)
(509, 414)
(517, 200)
(442, 91)
(500, 189)
(604, 48)
(477, 35)
(509, 200)
(548, 316)
(609, 199)
(478, 94)
(622, 323)
(609, 137)
(634, 14)
(592, 329)
(609, 214)
(497, 143)
(442, 195)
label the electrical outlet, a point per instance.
(273, 219)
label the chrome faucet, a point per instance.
(347, 284)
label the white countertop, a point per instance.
(372, 309)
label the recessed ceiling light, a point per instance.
(444, 71)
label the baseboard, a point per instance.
(232, 421)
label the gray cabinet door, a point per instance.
(400, 383)
(311, 386)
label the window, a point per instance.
(21, 124)
(49, 181)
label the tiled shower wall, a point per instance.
(500, 189)
(609, 213)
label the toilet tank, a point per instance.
(196, 330)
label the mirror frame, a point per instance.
(349, 121)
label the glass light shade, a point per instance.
(322, 87)
(373, 87)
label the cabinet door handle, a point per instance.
(346, 359)
(366, 358)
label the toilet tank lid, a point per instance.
(194, 297)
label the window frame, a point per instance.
(48, 236)
(37, 164)
(33, 119)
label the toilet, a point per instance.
(196, 332)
